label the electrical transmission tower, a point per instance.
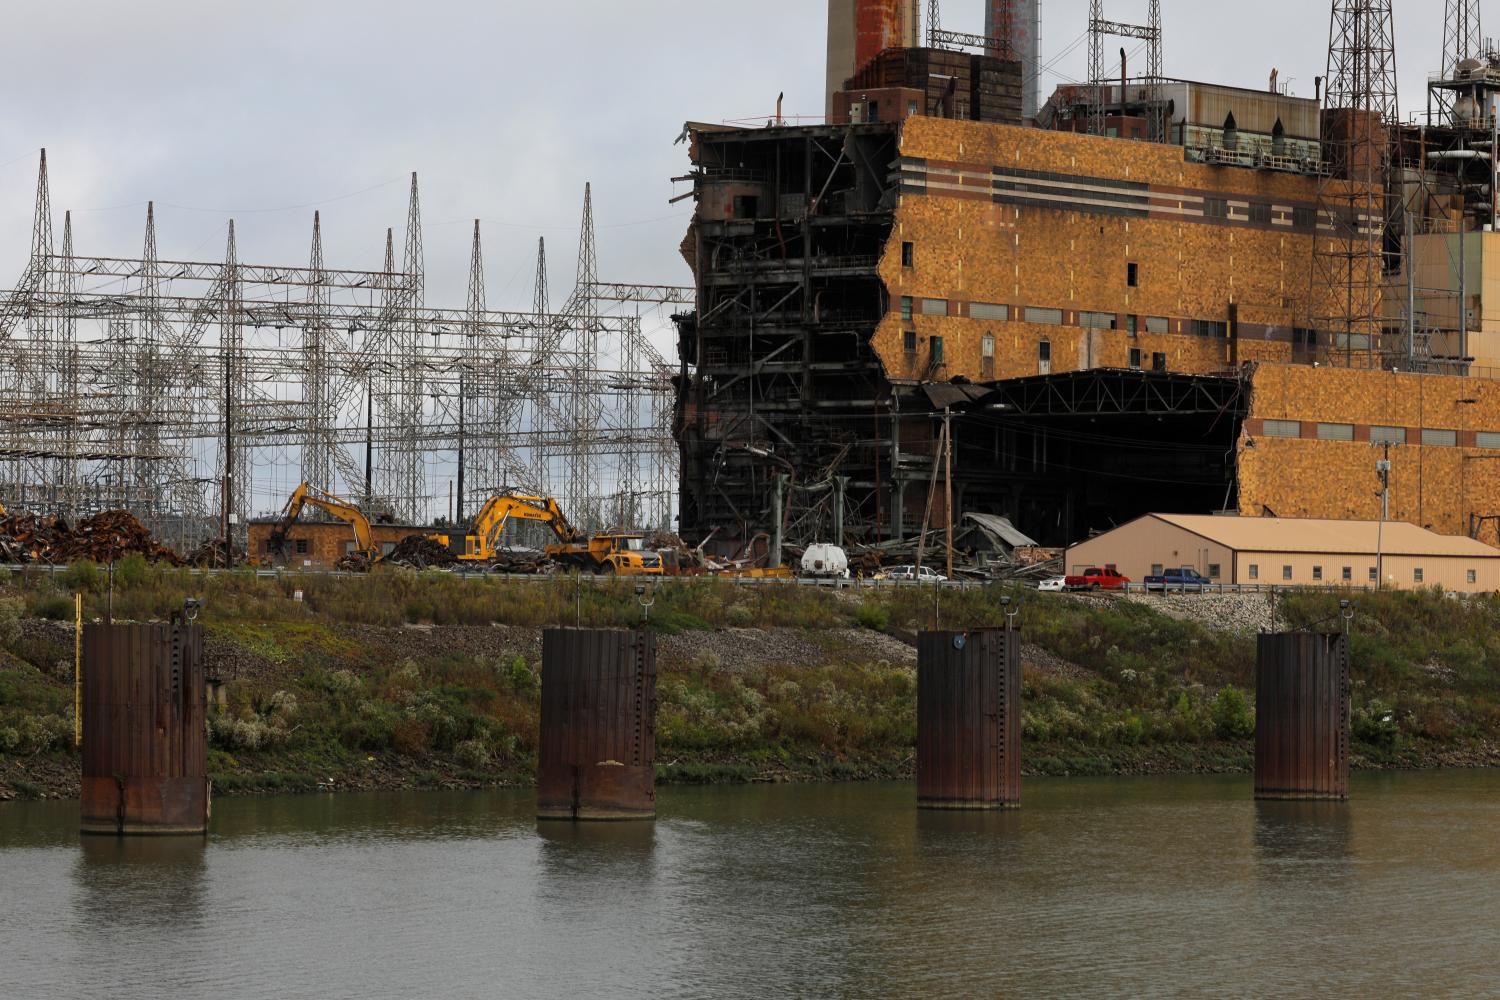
(1099, 82)
(194, 393)
(1355, 214)
(1462, 37)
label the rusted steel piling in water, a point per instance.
(1302, 716)
(145, 748)
(969, 719)
(597, 754)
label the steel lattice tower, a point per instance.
(1462, 34)
(1354, 212)
(1099, 83)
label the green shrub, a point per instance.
(83, 577)
(873, 616)
(1231, 716)
(55, 608)
(1375, 725)
(523, 680)
(132, 571)
(474, 754)
(11, 610)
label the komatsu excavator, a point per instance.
(620, 553)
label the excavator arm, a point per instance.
(364, 536)
(501, 509)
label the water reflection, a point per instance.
(151, 881)
(1303, 839)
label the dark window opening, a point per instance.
(1231, 132)
(1278, 139)
(1348, 574)
(302, 546)
(935, 345)
(911, 341)
(906, 307)
(1213, 571)
(1044, 350)
(1135, 357)
(746, 206)
(1158, 362)
(1133, 275)
(1215, 208)
(908, 255)
(1260, 213)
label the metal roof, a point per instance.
(1286, 534)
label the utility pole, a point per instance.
(1383, 469)
(948, 481)
(932, 482)
(227, 490)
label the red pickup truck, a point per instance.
(1095, 578)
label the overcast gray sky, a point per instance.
(268, 109)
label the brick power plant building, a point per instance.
(1151, 295)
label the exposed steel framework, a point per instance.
(1352, 252)
(195, 393)
(1099, 82)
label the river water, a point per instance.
(1162, 886)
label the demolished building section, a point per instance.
(1236, 319)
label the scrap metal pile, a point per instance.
(103, 538)
(419, 552)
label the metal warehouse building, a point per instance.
(1293, 552)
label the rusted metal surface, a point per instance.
(102, 538)
(597, 754)
(878, 25)
(1302, 717)
(145, 748)
(969, 719)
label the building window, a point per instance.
(1440, 439)
(1281, 428)
(987, 357)
(911, 109)
(1216, 208)
(1260, 213)
(908, 255)
(1135, 358)
(1158, 362)
(1348, 574)
(1473, 576)
(1209, 328)
(1387, 435)
(1254, 571)
(1487, 439)
(1286, 572)
(1097, 320)
(1132, 325)
(1317, 572)
(1304, 218)
(1044, 350)
(1213, 571)
(911, 341)
(1133, 275)
(935, 346)
(1044, 317)
(1374, 578)
(1156, 569)
(746, 206)
(1335, 432)
(1158, 324)
(302, 546)
(1416, 575)
(268, 548)
(989, 311)
(934, 307)
(906, 305)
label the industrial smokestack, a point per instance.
(1019, 24)
(858, 31)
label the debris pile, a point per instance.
(102, 538)
(210, 555)
(419, 552)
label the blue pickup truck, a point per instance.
(1185, 578)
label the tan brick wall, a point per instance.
(972, 250)
(1432, 486)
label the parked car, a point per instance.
(925, 574)
(1185, 578)
(1097, 578)
(1053, 585)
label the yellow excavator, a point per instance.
(366, 551)
(620, 553)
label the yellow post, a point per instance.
(78, 669)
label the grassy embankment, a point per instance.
(338, 690)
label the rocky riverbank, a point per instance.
(755, 684)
